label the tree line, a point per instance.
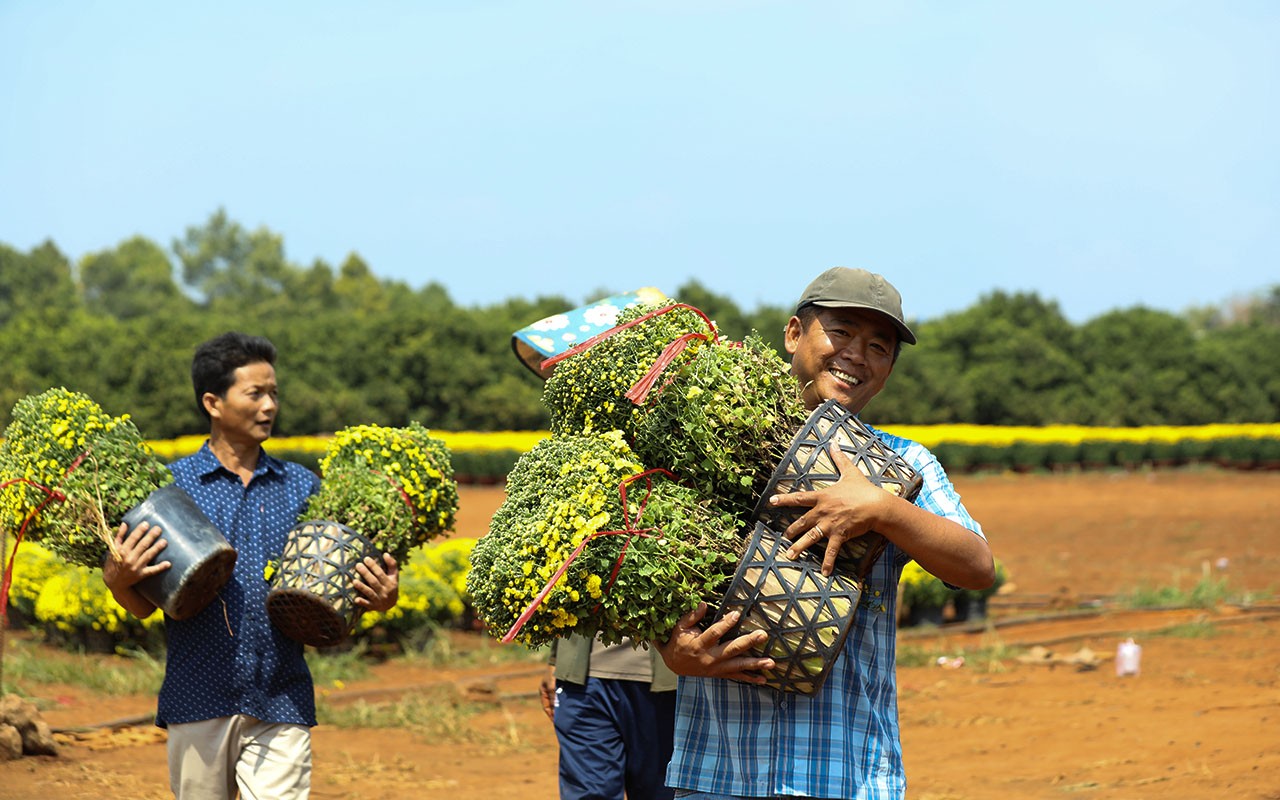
(121, 324)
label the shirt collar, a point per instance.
(207, 463)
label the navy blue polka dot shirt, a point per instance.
(238, 662)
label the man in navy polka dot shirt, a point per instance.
(237, 698)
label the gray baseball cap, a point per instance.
(845, 287)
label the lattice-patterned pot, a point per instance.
(312, 596)
(806, 614)
(808, 466)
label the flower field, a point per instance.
(480, 456)
(1036, 709)
(71, 606)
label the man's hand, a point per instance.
(135, 549)
(547, 692)
(845, 510)
(379, 583)
(695, 652)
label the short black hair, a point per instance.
(213, 368)
(808, 312)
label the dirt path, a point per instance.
(1202, 720)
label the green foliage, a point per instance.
(722, 420)
(1235, 452)
(133, 280)
(632, 569)
(921, 589)
(972, 457)
(35, 284)
(1207, 592)
(1059, 455)
(483, 465)
(74, 471)
(1197, 629)
(26, 663)
(335, 668)
(1098, 452)
(394, 485)
(432, 595)
(122, 324)
(986, 657)
(1006, 361)
(1025, 455)
(436, 714)
(587, 391)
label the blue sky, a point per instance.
(1103, 155)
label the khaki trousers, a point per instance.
(212, 759)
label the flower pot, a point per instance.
(93, 640)
(201, 560)
(924, 615)
(806, 614)
(969, 608)
(808, 466)
(17, 619)
(312, 596)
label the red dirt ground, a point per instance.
(1200, 721)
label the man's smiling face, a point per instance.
(843, 354)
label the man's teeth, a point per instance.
(844, 377)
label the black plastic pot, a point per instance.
(201, 559)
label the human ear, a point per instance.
(792, 334)
(211, 402)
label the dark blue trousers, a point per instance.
(615, 737)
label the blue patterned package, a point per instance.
(556, 334)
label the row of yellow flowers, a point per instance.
(927, 435)
(998, 435)
(460, 441)
(67, 599)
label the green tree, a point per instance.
(38, 281)
(729, 319)
(230, 265)
(134, 279)
(1137, 365)
(1003, 361)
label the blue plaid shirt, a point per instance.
(229, 659)
(738, 739)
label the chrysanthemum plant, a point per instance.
(589, 542)
(721, 419)
(921, 588)
(395, 486)
(70, 471)
(718, 414)
(587, 392)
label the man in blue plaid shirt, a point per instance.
(738, 740)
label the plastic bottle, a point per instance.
(1128, 658)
